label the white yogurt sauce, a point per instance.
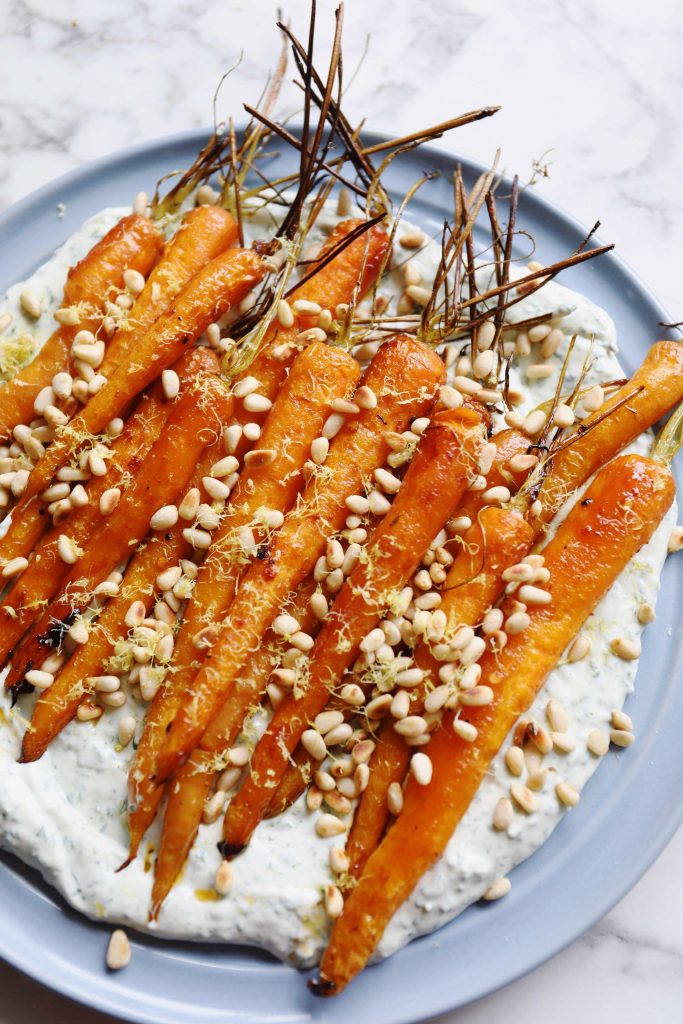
(64, 814)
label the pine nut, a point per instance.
(313, 742)
(118, 950)
(620, 720)
(579, 649)
(30, 302)
(284, 314)
(260, 457)
(675, 540)
(395, 798)
(387, 481)
(170, 382)
(593, 399)
(563, 743)
(557, 716)
(534, 422)
(198, 539)
(14, 567)
(257, 403)
(68, 551)
(333, 424)
(563, 416)
(378, 707)
(334, 902)
(164, 518)
(567, 795)
(514, 761)
(126, 730)
(501, 887)
(420, 767)
(213, 808)
(621, 737)
(646, 614)
(135, 615)
(223, 880)
(597, 743)
(246, 386)
(627, 650)
(88, 712)
(40, 679)
(524, 798)
(465, 730)
(502, 815)
(328, 825)
(339, 860)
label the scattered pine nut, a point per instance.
(566, 794)
(118, 950)
(224, 876)
(501, 887)
(620, 720)
(627, 650)
(502, 814)
(597, 743)
(675, 540)
(524, 798)
(621, 737)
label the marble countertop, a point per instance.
(592, 84)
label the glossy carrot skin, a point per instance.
(661, 378)
(627, 501)
(474, 583)
(193, 424)
(203, 234)
(57, 705)
(217, 287)
(434, 484)
(187, 790)
(402, 367)
(318, 375)
(134, 243)
(42, 578)
(357, 265)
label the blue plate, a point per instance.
(627, 814)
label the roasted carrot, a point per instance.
(217, 287)
(497, 540)
(655, 387)
(403, 376)
(355, 266)
(128, 449)
(432, 489)
(194, 423)
(318, 375)
(134, 243)
(623, 506)
(189, 787)
(204, 233)
(46, 570)
(57, 705)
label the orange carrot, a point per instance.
(497, 540)
(624, 505)
(57, 705)
(134, 243)
(355, 266)
(431, 491)
(187, 791)
(318, 375)
(46, 570)
(194, 423)
(403, 375)
(660, 378)
(204, 233)
(217, 287)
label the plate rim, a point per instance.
(647, 852)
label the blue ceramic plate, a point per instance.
(627, 814)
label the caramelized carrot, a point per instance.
(431, 491)
(217, 287)
(204, 233)
(498, 539)
(189, 787)
(134, 243)
(318, 375)
(193, 424)
(624, 505)
(403, 375)
(660, 380)
(46, 570)
(57, 705)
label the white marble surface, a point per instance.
(598, 82)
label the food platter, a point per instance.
(592, 859)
